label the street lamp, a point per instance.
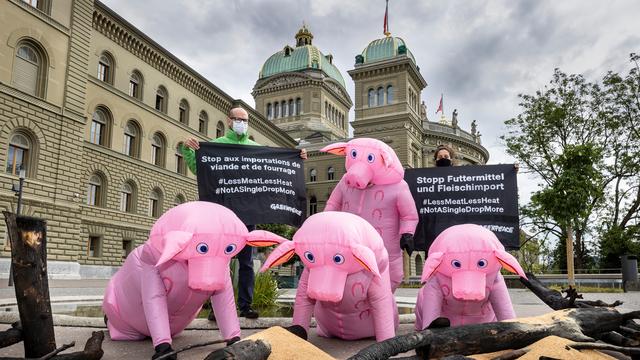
(18, 190)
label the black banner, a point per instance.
(486, 195)
(262, 185)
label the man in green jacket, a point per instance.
(238, 124)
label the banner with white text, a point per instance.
(262, 185)
(486, 195)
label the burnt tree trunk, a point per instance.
(243, 350)
(28, 237)
(556, 300)
(11, 336)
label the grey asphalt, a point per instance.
(525, 304)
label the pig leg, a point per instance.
(118, 329)
(428, 304)
(382, 306)
(500, 300)
(224, 307)
(154, 304)
(396, 273)
(303, 307)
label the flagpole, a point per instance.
(386, 20)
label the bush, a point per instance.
(265, 291)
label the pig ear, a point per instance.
(509, 262)
(338, 148)
(280, 255)
(260, 238)
(431, 265)
(174, 243)
(387, 158)
(366, 258)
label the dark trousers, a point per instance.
(246, 276)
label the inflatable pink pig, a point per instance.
(345, 283)
(463, 281)
(374, 189)
(164, 282)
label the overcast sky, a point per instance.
(480, 54)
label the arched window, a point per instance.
(155, 203)
(127, 197)
(180, 199)
(161, 99)
(284, 109)
(330, 173)
(21, 154)
(96, 190)
(203, 122)
(106, 65)
(276, 110)
(298, 106)
(30, 69)
(157, 149)
(183, 115)
(313, 175)
(135, 85)
(291, 109)
(100, 127)
(372, 98)
(380, 96)
(181, 167)
(313, 205)
(269, 111)
(419, 265)
(219, 129)
(132, 139)
(389, 94)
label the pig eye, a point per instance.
(338, 259)
(202, 248)
(354, 153)
(482, 263)
(371, 158)
(456, 264)
(309, 256)
(229, 249)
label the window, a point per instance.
(419, 265)
(276, 110)
(181, 167)
(179, 200)
(105, 68)
(298, 106)
(284, 110)
(313, 205)
(372, 98)
(100, 127)
(127, 247)
(291, 110)
(269, 111)
(184, 112)
(313, 175)
(135, 85)
(161, 99)
(330, 173)
(42, 5)
(155, 203)
(93, 248)
(203, 122)
(380, 96)
(19, 154)
(157, 149)
(132, 139)
(219, 129)
(127, 198)
(30, 69)
(326, 110)
(389, 94)
(95, 190)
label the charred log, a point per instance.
(243, 350)
(11, 336)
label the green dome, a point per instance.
(385, 48)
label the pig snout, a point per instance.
(359, 175)
(326, 283)
(468, 285)
(206, 273)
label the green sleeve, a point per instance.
(190, 158)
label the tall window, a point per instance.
(291, 109)
(127, 247)
(313, 205)
(181, 168)
(100, 127)
(380, 96)
(389, 94)
(19, 153)
(157, 150)
(95, 190)
(298, 106)
(276, 110)
(30, 69)
(155, 203)
(93, 247)
(135, 85)
(132, 139)
(127, 198)
(269, 111)
(330, 173)
(313, 175)
(372, 98)
(184, 112)
(219, 129)
(203, 122)
(284, 109)
(161, 99)
(105, 68)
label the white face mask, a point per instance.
(240, 127)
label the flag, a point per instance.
(386, 20)
(440, 106)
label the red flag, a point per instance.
(386, 20)
(440, 106)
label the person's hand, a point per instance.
(303, 154)
(516, 166)
(406, 243)
(192, 144)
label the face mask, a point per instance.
(443, 162)
(240, 127)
